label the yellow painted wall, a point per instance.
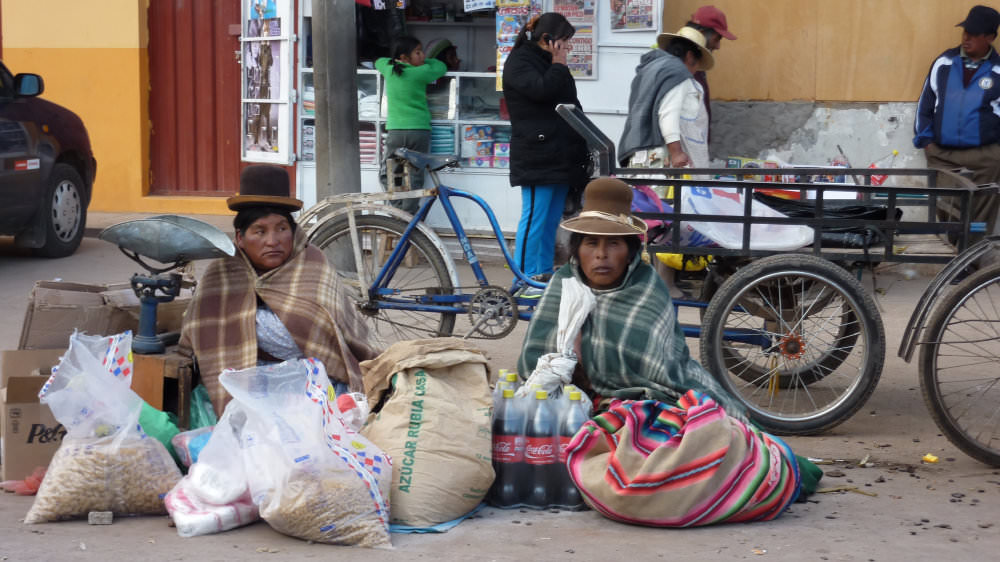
(827, 50)
(92, 56)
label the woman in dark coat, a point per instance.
(547, 156)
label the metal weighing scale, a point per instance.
(167, 239)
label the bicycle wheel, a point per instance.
(797, 340)
(422, 272)
(958, 366)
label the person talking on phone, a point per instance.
(547, 157)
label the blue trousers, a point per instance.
(541, 210)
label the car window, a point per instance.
(6, 83)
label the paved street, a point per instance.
(899, 509)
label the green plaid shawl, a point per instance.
(631, 346)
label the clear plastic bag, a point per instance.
(729, 201)
(311, 475)
(214, 496)
(106, 462)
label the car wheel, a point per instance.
(65, 212)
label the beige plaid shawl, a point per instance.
(219, 327)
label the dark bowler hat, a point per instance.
(264, 185)
(982, 20)
(607, 210)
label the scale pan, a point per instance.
(170, 238)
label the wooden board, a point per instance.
(827, 50)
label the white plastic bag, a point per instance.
(106, 462)
(311, 475)
(730, 201)
(555, 370)
(214, 496)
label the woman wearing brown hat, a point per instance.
(631, 346)
(276, 300)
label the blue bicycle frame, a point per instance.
(446, 304)
(449, 304)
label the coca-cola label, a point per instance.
(508, 448)
(563, 446)
(539, 450)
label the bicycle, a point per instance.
(959, 334)
(407, 284)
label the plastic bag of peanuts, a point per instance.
(309, 472)
(106, 462)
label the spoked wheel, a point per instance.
(797, 340)
(829, 361)
(422, 272)
(960, 366)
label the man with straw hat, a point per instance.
(631, 345)
(667, 124)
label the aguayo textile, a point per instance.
(631, 346)
(220, 323)
(649, 463)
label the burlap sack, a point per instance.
(435, 424)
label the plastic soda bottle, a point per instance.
(541, 455)
(885, 162)
(572, 418)
(508, 453)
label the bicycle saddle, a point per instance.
(421, 160)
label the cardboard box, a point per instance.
(56, 308)
(31, 434)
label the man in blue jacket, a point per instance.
(958, 114)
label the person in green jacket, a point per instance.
(408, 124)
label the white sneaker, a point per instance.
(530, 293)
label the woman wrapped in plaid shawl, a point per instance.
(631, 346)
(277, 299)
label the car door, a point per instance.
(21, 182)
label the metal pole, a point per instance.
(338, 168)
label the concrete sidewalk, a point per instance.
(98, 221)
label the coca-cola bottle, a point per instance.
(541, 444)
(505, 379)
(508, 453)
(571, 419)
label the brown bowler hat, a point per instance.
(607, 210)
(264, 185)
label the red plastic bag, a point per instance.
(28, 486)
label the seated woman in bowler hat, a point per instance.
(631, 346)
(277, 299)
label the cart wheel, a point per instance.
(829, 361)
(797, 340)
(959, 377)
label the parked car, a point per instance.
(47, 168)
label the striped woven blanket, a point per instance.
(650, 463)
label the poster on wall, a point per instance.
(633, 15)
(477, 5)
(512, 15)
(582, 59)
(266, 88)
